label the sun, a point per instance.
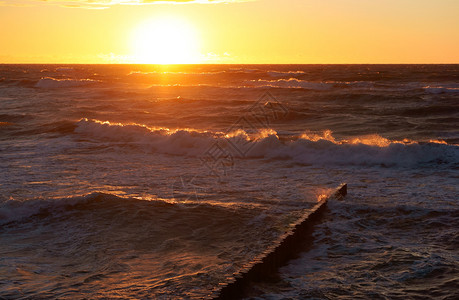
(165, 41)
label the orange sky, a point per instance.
(257, 31)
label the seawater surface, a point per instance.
(136, 181)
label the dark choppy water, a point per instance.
(143, 181)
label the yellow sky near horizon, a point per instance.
(258, 31)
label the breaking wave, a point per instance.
(307, 148)
(280, 74)
(13, 210)
(441, 89)
(295, 83)
(292, 83)
(64, 69)
(48, 83)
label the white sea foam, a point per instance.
(177, 142)
(308, 148)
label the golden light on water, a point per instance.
(165, 41)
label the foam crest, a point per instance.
(163, 140)
(308, 148)
(312, 136)
(64, 69)
(369, 150)
(293, 83)
(280, 73)
(49, 83)
(451, 89)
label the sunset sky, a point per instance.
(257, 31)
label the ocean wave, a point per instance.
(287, 73)
(230, 71)
(442, 89)
(64, 69)
(292, 83)
(14, 210)
(162, 140)
(354, 84)
(155, 73)
(308, 148)
(296, 83)
(15, 117)
(105, 207)
(431, 110)
(328, 85)
(222, 72)
(103, 236)
(48, 83)
(29, 83)
(17, 210)
(360, 227)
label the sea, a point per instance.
(163, 181)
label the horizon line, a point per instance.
(191, 64)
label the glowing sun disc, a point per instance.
(165, 41)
